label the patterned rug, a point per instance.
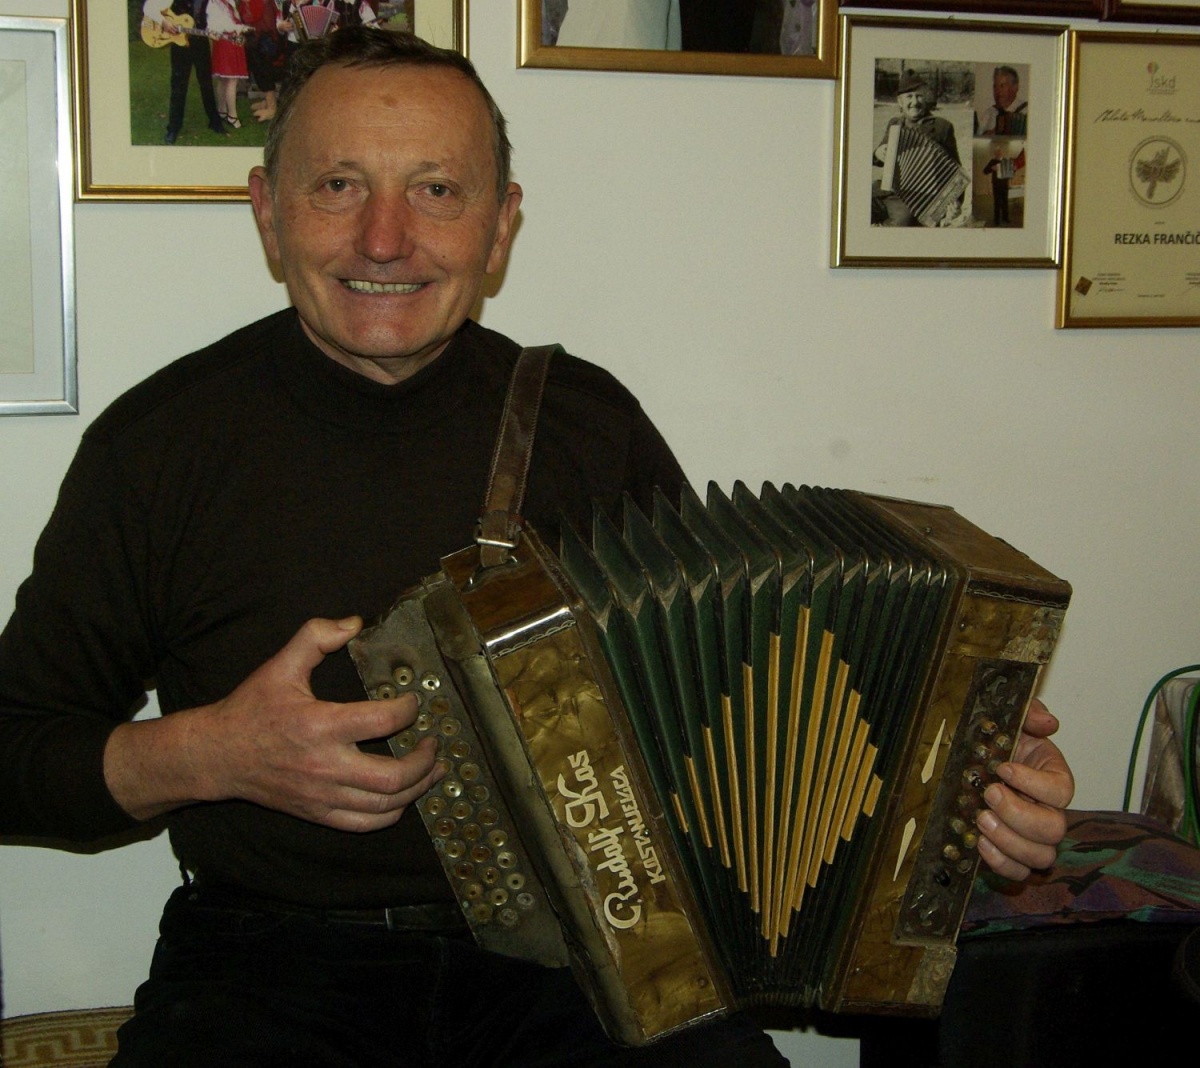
(81, 1038)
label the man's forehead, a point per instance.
(425, 103)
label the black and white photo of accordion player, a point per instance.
(922, 181)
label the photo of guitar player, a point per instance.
(237, 51)
(184, 24)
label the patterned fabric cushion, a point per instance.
(78, 1038)
(1111, 866)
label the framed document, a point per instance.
(37, 261)
(949, 147)
(1133, 182)
(134, 142)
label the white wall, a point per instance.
(676, 230)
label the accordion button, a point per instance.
(431, 682)
(472, 832)
(385, 692)
(508, 917)
(497, 839)
(435, 806)
(403, 675)
(506, 859)
(452, 787)
(479, 794)
(950, 852)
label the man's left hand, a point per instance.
(1025, 818)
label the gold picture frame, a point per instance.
(538, 47)
(108, 61)
(995, 200)
(37, 264)
(1133, 184)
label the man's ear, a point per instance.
(504, 225)
(262, 197)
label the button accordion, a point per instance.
(726, 754)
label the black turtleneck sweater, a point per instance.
(214, 508)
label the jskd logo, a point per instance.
(1159, 83)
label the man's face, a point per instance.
(1004, 90)
(912, 104)
(384, 217)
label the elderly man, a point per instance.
(922, 182)
(223, 529)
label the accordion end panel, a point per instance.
(591, 830)
(998, 635)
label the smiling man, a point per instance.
(223, 530)
(385, 228)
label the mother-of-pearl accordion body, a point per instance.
(725, 755)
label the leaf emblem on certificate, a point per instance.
(1156, 171)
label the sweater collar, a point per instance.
(331, 392)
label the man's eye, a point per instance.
(337, 185)
(437, 189)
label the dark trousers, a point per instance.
(999, 200)
(195, 54)
(245, 987)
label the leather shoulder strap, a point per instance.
(500, 523)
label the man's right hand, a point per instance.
(273, 743)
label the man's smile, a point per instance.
(361, 286)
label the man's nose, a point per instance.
(386, 231)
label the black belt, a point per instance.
(432, 916)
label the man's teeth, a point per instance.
(381, 287)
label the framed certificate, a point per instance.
(37, 260)
(1133, 182)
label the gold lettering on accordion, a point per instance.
(577, 755)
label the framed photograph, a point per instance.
(37, 261)
(949, 146)
(1158, 11)
(140, 139)
(772, 38)
(1058, 9)
(1133, 182)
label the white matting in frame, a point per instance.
(962, 57)
(37, 265)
